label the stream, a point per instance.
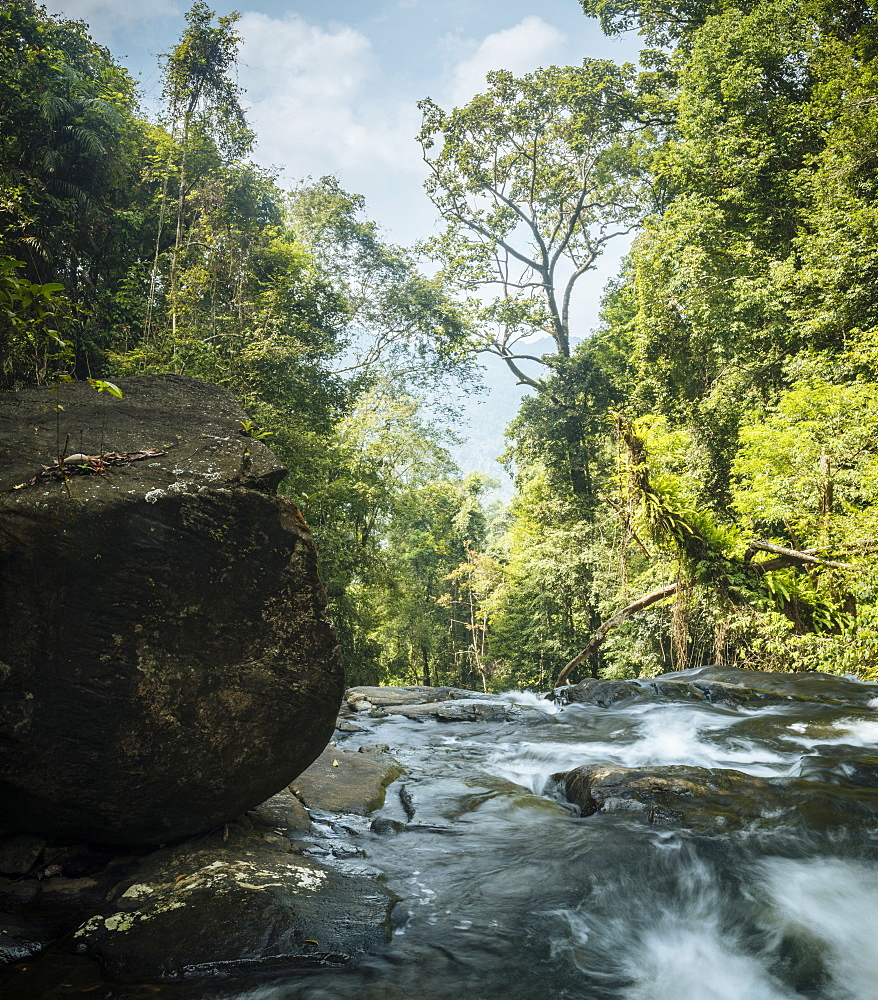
(506, 893)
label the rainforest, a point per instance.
(695, 479)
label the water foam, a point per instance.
(835, 902)
(528, 699)
(678, 735)
(679, 962)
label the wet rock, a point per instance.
(215, 912)
(19, 853)
(707, 799)
(808, 685)
(595, 691)
(343, 726)
(383, 825)
(363, 699)
(841, 763)
(21, 938)
(83, 862)
(282, 812)
(604, 693)
(17, 893)
(457, 711)
(165, 657)
(340, 781)
(730, 686)
(75, 896)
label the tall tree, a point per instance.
(203, 107)
(533, 179)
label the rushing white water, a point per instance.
(680, 961)
(833, 905)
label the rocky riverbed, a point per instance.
(710, 834)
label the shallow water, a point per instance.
(506, 893)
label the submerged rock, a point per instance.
(840, 763)
(192, 912)
(165, 657)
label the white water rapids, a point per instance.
(512, 896)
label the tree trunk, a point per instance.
(611, 623)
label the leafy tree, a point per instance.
(400, 323)
(68, 155)
(204, 110)
(533, 178)
(29, 317)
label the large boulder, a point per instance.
(166, 661)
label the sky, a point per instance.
(332, 88)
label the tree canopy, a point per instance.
(696, 479)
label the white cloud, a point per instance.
(318, 102)
(108, 16)
(521, 49)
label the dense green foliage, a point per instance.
(740, 343)
(714, 442)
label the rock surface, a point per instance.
(340, 781)
(196, 912)
(444, 704)
(165, 658)
(715, 799)
(730, 686)
(391, 697)
(19, 852)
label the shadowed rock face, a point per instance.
(165, 658)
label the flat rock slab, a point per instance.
(457, 711)
(219, 912)
(340, 781)
(705, 799)
(383, 697)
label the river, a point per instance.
(506, 893)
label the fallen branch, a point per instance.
(793, 555)
(80, 464)
(611, 623)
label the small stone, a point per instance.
(383, 825)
